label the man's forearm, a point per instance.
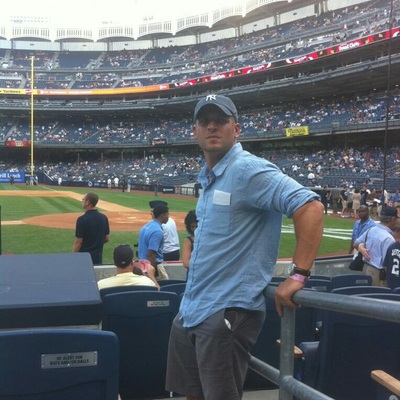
(77, 246)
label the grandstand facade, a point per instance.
(309, 78)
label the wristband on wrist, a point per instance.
(294, 269)
(299, 278)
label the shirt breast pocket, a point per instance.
(220, 219)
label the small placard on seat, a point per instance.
(69, 360)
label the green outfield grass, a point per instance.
(28, 239)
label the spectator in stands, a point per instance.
(380, 237)
(392, 259)
(188, 242)
(349, 208)
(92, 230)
(144, 267)
(151, 238)
(335, 199)
(325, 197)
(361, 226)
(365, 192)
(240, 215)
(172, 248)
(356, 202)
(343, 199)
(123, 260)
(396, 198)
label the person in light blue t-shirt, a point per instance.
(151, 240)
(239, 215)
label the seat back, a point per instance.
(382, 296)
(278, 279)
(58, 364)
(321, 285)
(142, 322)
(121, 289)
(266, 348)
(351, 280)
(350, 348)
(361, 289)
(163, 282)
(324, 277)
(177, 288)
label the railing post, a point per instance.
(286, 351)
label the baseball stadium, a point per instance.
(108, 107)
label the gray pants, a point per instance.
(210, 360)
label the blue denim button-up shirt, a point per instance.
(237, 239)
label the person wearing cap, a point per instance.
(151, 238)
(374, 246)
(395, 198)
(360, 226)
(392, 259)
(188, 242)
(92, 230)
(123, 260)
(239, 214)
(171, 249)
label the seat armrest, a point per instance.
(386, 380)
(296, 351)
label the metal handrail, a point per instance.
(364, 307)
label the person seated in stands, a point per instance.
(188, 242)
(126, 275)
(143, 267)
(392, 259)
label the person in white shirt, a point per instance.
(123, 260)
(171, 251)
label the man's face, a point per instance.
(164, 218)
(84, 201)
(363, 213)
(215, 131)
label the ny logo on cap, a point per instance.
(211, 97)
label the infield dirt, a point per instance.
(120, 218)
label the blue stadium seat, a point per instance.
(278, 279)
(266, 348)
(361, 290)
(350, 347)
(351, 280)
(58, 364)
(323, 277)
(177, 288)
(142, 322)
(121, 289)
(321, 285)
(163, 282)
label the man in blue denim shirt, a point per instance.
(235, 250)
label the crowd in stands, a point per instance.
(335, 167)
(349, 111)
(131, 68)
(175, 64)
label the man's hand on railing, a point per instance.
(284, 293)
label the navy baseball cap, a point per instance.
(155, 203)
(389, 212)
(123, 255)
(225, 104)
